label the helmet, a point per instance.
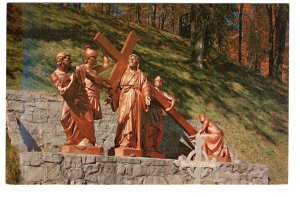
(89, 53)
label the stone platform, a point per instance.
(154, 154)
(92, 150)
(58, 168)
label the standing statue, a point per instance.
(76, 119)
(213, 139)
(92, 84)
(134, 100)
(154, 124)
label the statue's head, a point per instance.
(133, 61)
(90, 55)
(63, 59)
(202, 117)
(158, 81)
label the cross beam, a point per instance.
(120, 57)
(161, 100)
(122, 60)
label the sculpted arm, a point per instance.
(202, 130)
(204, 126)
(94, 77)
(59, 83)
(171, 99)
(146, 91)
(104, 66)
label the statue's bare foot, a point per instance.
(85, 142)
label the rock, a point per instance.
(53, 172)
(121, 169)
(174, 179)
(155, 180)
(107, 179)
(54, 158)
(128, 180)
(106, 159)
(32, 174)
(31, 158)
(91, 168)
(108, 168)
(40, 116)
(71, 161)
(89, 160)
(139, 170)
(130, 160)
(155, 171)
(74, 173)
(91, 178)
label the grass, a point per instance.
(252, 109)
(12, 163)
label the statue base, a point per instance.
(92, 150)
(125, 152)
(220, 159)
(154, 154)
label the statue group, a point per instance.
(138, 103)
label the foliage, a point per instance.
(12, 163)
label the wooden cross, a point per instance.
(122, 60)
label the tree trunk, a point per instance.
(281, 20)
(138, 13)
(240, 32)
(153, 16)
(271, 40)
(108, 9)
(102, 8)
(163, 16)
(197, 36)
(173, 19)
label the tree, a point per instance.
(108, 9)
(269, 8)
(163, 16)
(281, 21)
(138, 13)
(197, 33)
(153, 16)
(240, 31)
(173, 18)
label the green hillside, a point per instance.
(252, 109)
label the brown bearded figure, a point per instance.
(93, 81)
(134, 99)
(154, 124)
(213, 139)
(76, 119)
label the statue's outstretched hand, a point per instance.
(191, 137)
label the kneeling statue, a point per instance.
(213, 140)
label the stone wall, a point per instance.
(38, 116)
(57, 168)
